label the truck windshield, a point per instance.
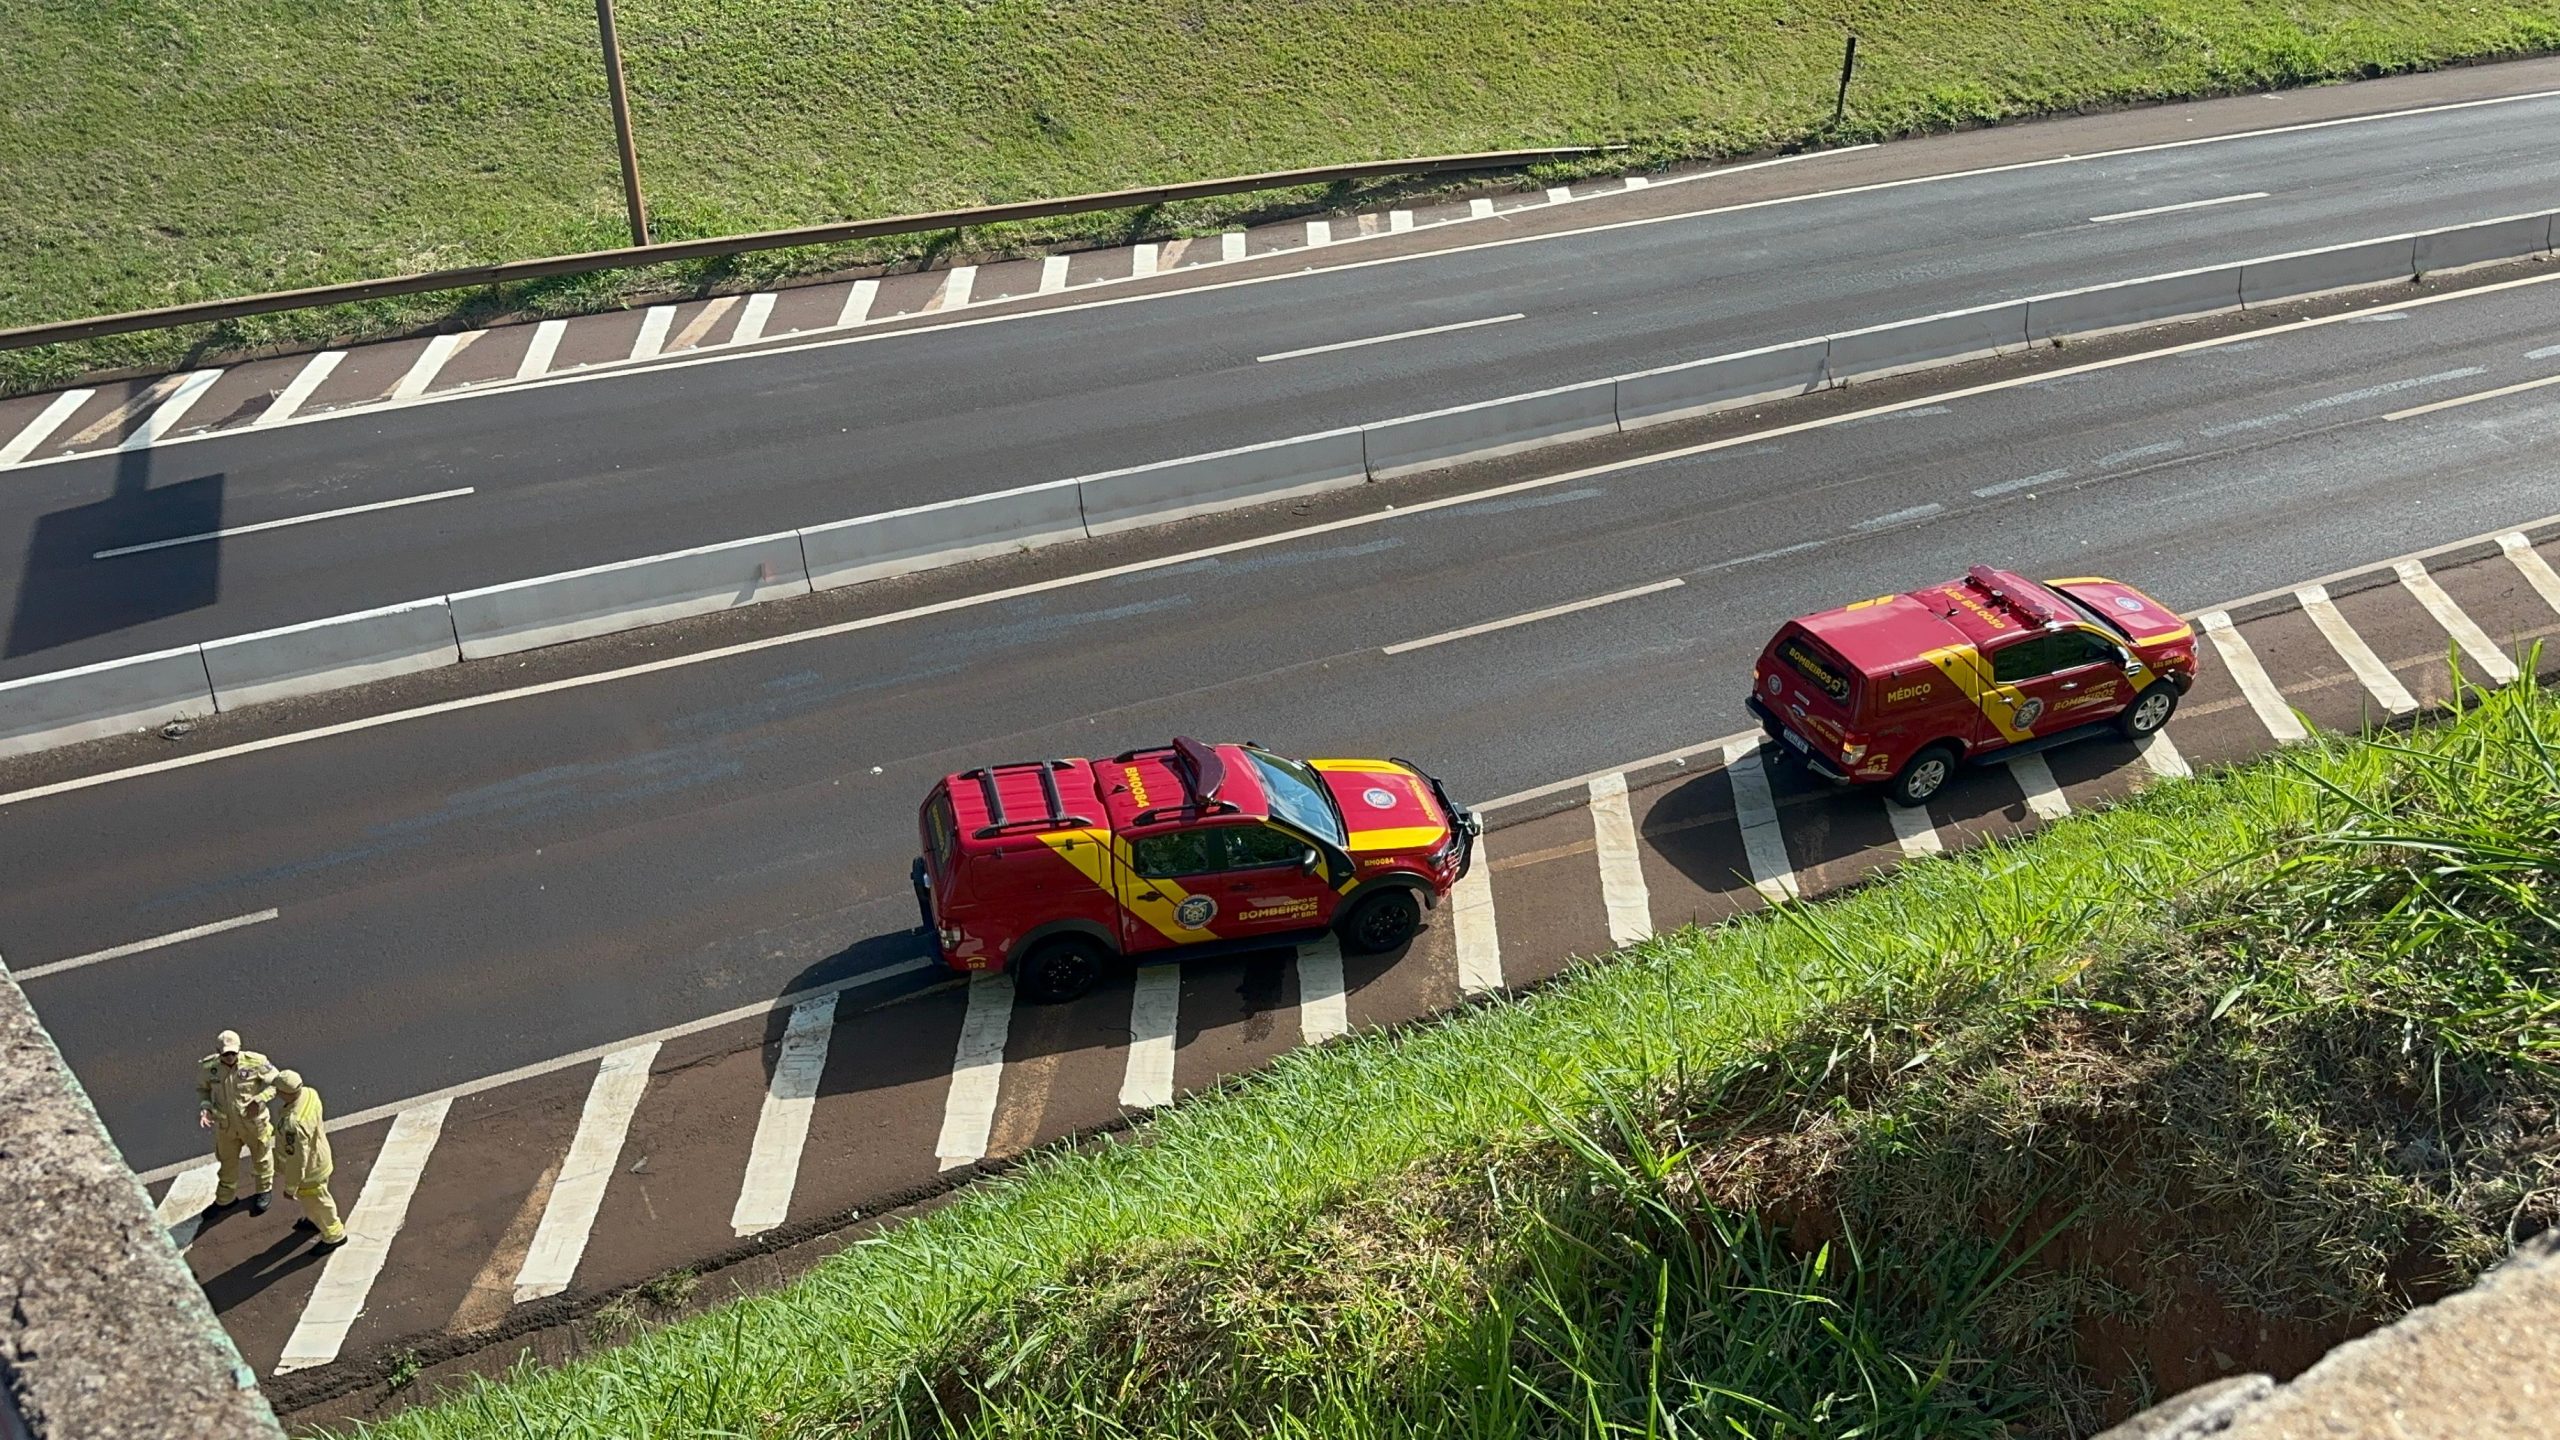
(1298, 796)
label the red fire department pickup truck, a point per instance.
(1050, 869)
(1901, 689)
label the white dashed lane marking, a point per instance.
(1623, 895)
(546, 344)
(2537, 571)
(165, 416)
(430, 363)
(1479, 941)
(41, 428)
(2377, 678)
(2242, 662)
(857, 302)
(653, 331)
(751, 319)
(227, 533)
(2163, 756)
(136, 947)
(1755, 810)
(570, 1215)
(1322, 1012)
(1319, 232)
(2174, 209)
(1913, 830)
(977, 1071)
(782, 1126)
(347, 1276)
(182, 1209)
(2466, 632)
(308, 379)
(2044, 798)
(1155, 1006)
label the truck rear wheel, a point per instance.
(1381, 922)
(1924, 777)
(1060, 970)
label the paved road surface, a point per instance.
(659, 458)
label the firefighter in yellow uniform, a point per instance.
(302, 1144)
(232, 1095)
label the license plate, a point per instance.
(1797, 741)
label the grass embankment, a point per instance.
(2008, 1140)
(161, 151)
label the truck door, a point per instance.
(1274, 883)
(2053, 680)
(1166, 889)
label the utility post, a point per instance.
(622, 124)
(1848, 66)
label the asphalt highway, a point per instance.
(659, 459)
(461, 894)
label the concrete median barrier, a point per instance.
(114, 697)
(330, 654)
(2338, 267)
(550, 609)
(1679, 392)
(1932, 340)
(2102, 308)
(2511, 238)
(1230, 479)
(949, 532)
(1415, 443)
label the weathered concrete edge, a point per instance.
(104, 1334)
(2361, 1389)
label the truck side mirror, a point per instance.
(1312, 861)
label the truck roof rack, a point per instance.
(998, 822)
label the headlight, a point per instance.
(1853, 753)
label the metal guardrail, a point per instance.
(631, 256)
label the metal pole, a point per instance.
(1848, 63)
(622, 124)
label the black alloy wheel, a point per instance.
(1060, 970)
(1381, 922)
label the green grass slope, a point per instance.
(1998, 1146)
(160, 151)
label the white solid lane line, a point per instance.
(230, 531)
(1552, 611)
(1479, 941)
(1386, 339)
(782, 1126)
(545, 345)
(2163, 756)
(569, 1216)
(2174, 209)
(165, 416)
(2242, 662)
(2537, 571)
(1053, 275)
(182, 1209)
(2503, 390)
(1154, 1008)
(2378, 680)
(1322, 1011)
(2035, 777)
(977, 1069)
(41, 428)
(118, 952)
(1755, 810)
(1913, 830)
(430, 363)
(289, 401)
(347, 1276)
(653, 331)
(751, 320)
(2457, 622)
(1623, 895)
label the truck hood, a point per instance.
(2146, 620)
(1385, 806)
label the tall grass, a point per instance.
(1826, 1170)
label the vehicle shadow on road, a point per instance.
(68, 593)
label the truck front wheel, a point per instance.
(1381, 922)
(1060, 970)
